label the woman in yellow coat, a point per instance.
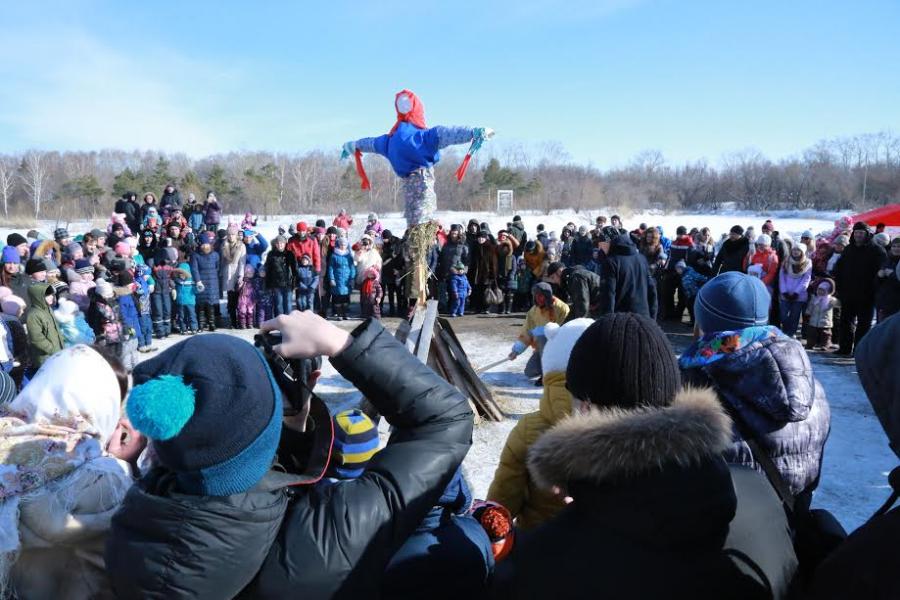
(547, 309)
(512, 486)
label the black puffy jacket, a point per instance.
(164, 544)
(732, 256)
(625, 277)
(583, 289)
(656, 513)
(336, 541)
(856, 272)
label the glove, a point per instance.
(537, 331)
(200, 287)
(348, 150)
(518, 348)
(173, 294)
(484, 133)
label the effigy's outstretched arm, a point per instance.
(441, 137)
(375, 145)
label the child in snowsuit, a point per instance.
(459, 289)
(185, 299)
(129, 317)
(264, 304)
(281, 275)
(513, 486)
(248, 298)
(820, 315)
(691, 282)
(205, 270)
(143, 288)
(82, 283)
(307, 283)
(449, 544)
(104, 318)
(72, 324)
(160, 298)
(341, 275)
(370, 294)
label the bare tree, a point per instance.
(35, 173)
(7, 182)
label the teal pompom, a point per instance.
(160, 407)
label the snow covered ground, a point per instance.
(857, 456)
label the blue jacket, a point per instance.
(769, 382)
(410, 148)
(185, 295)
(449, 554)
(342, 272)
(459, 285)
(130, 315)
(205, 268)
(307, 279)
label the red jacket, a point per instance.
(310, 246)
(768, 258)
(343, 221)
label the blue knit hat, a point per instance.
(10, 255)
(355, 443)
(730, 302)
(213, 411)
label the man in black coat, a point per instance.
(128, 205)
(170, 200)
(625, 275)
(281, 535)
(734, 253)
(517, 230)
(867, 564)
(855, 277)
(581, 288)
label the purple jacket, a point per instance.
(795, 283)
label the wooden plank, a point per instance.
(428, 324)
(483, 396)
(402, 332)
(415, 330)
(463, 360)
(445, 360)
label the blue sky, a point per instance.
(606, 79)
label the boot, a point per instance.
(201, 318)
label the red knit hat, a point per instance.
(301, 226)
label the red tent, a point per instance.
(889, 215)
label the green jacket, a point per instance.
(44, 337)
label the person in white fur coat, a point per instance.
(366, 256)
(512, 485)
(65, 457)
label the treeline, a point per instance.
(845, 173)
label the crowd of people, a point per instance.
(642, 474)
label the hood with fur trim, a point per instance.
(560, 341)
(613, 444)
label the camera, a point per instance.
(291, 375)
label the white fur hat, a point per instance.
(560, 341)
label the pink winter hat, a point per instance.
(122, 249)
(12, 305)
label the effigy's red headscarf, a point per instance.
(409, 109)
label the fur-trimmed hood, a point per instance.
(614, 443)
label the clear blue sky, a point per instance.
(605, 78)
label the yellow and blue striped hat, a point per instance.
(355, 443)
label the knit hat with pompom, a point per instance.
(188, 400)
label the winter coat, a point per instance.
(104, 318)
(309, 245)
(518, 231)
(856, 272)
(185, 294)
(212, 214)
(165, 544)
(78, 292)
(585, 290)
(342, 272)
(337, 541)
(392, 260)
(767, 259)
(170, 201)
(458, 285)
(582, 250)
(732, 256)
(307, 279)
(537, 318)
(132, 212)
(248, 295)
(512, 486)
(657, 513)
(692, 281)
(625, 277)
(162, 274)
(483, 267)
(656, 259)
(506, 258)
(451, 254)
(44, 337)
(767, 379)
(790, 282)
(128, 311)
(887, 295)
(449, 547)
(365, 259)
(344, 222)
(194, 213)
(232, 269)
(255, 250)
(281, 269)
(205, 270)
(534, 260)
(679, 250)
(821, 315)
(370, 295)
